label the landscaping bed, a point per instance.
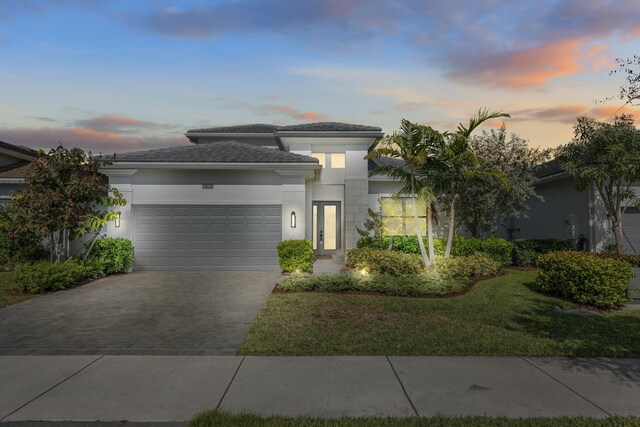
(505, 315)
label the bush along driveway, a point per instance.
(505, 315)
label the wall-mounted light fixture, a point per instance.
(117, 222)
(293, 219)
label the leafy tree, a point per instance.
(484, 203)
(606, 155)
(413, 144)
(457, 165)
(630, 89)
(60, 199)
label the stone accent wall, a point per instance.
(356, 194)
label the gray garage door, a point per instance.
(631, 228)
(196, 237)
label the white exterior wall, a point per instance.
(155, 187)
(348, 185)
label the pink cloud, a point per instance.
(533, 66)
(569, 112)
(87, 139)
(297, 114)
(117, 123)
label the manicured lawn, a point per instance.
(500, 316)
(8, 293)
(216, 418)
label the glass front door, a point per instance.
(326, 227)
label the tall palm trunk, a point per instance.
(432, 254)
(423, 251)
(452, 225)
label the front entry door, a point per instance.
(326, 227)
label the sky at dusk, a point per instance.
(112, 76)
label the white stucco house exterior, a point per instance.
(227, 199)
(566, 213)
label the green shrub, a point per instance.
(22, 248)
(296, 255)
(424, 284)
(44, 276)
(475, 265)
(526, 251)
(632, 260)
(377, 261)
(584, 278)
(498, 249)
(110, 256)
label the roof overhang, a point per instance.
(17, 154)
(209, 165)
(324, 134)
(12, 181)
(552, 177)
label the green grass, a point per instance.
(8, 293)
(216, 418)
(500, 316)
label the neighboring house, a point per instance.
(14, 164)
(226, 200)
(567, 213)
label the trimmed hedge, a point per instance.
(110, 256)
(377, 261)
(498, 249)
(527, 251)
(296, 255)
(45, 276)
(584, 278)
(426, 284)
(476, 265)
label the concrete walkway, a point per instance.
(175, 388)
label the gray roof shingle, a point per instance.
(328, 127)
(253, 128)
(218, 152)
(305, 127)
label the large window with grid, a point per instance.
(397, 216)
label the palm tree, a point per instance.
(457, 164)
(410, 145)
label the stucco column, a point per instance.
(356, 194)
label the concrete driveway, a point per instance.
(152, 312)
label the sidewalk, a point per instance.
(175, 388)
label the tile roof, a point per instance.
(385, 161)
(329, 127)
(254, 128)
(216, 152)
(19, 148)
(15, 170)
(306, 127)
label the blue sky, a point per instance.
(122, 75)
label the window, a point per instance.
(397, 216)
(320, 157)
(337, 160)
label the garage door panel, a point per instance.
(206, 237)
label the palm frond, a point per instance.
(480, 117)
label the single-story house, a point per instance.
(14, 163)
(226, 200)
(566, 213)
